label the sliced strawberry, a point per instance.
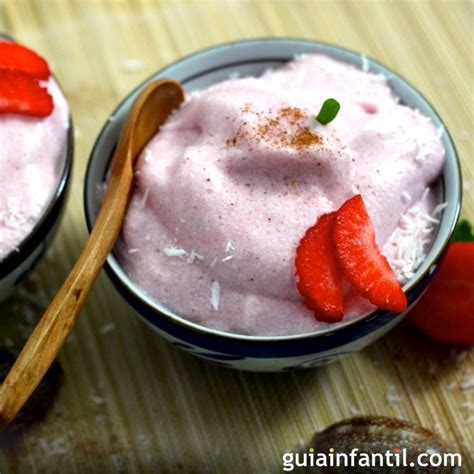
(320, 279)
(15, 57)
(21, 94)
(445, 312)
(360, 258)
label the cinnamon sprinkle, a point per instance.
(287, 127)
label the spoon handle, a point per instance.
(57, 322)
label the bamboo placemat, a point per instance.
(130, 402)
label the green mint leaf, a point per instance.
(463, 232)
(328, 111)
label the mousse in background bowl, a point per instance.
(26, 237)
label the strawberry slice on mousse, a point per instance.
(320, 279)
(342, 245)
(360, 259)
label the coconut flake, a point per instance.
(300, 56)
(133, 250)
(194, 256)
(107, 328)
(406, 196)
(429, 218)
(132, 65)
(380, 77)
(466, 406)
(215, 295)
(143, 200)
(174, 251)
(469, 420)
(354, 410)
(421, 156)
(148, 155)
(97, 400)
(364, 63)
(439, 208)
(439, 132)
(229, 246)
(392, 395)
(452, 386)
(467, 383)
(229, 257)
(213, 263)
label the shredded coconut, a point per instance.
(229, 257)
(214, 261)
(229, 246)
(421, 156)
(467, 383)
(215, 295)
(97, 400)
(134, 250)
(406, 196)
(132, 65)
(392, 395)
(408, 243)
(144, 198)
(452, 386)
(354, 410)
(439, 208)
(174, 252)
(364, 63)
(106, 328)
(469, 420)
(300, 56)
(194, 256)
(55, 447)
(429, 218)
(148, 155)
(439, 132)
(466, 406)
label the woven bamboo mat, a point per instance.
(131, 403)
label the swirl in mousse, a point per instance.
(34, 121)
(228, 187)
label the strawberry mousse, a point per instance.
(34, 120)
(226, 190)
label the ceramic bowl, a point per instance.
(252, 58)
(17, 265)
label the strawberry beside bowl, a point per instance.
(16, 264)
(270, 353)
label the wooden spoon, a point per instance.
(150, 109)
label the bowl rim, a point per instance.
(48, 218)
(162, 311)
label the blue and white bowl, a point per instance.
(252, 58)
(17, 265)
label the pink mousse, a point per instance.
(229, 185)
(32, 154)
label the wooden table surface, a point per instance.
(129, 401)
